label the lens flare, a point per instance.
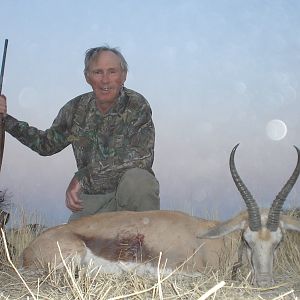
(276, 130)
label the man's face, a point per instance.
(106, 77)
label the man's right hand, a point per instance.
(3, 107)
(72, 196)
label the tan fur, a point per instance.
(130, 236)
(139, 237)
(264, 234)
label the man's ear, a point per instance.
(87, 78)
(124, 76)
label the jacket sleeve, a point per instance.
(46, 142)
(141, 138)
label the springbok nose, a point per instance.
(264, 280)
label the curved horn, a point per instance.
(252, 208)
(275, 210)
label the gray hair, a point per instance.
(90, 54)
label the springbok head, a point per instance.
(262, 230)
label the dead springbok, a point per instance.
(117, 240)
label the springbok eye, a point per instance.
(246, 243)
(250, 244)
(275, 246)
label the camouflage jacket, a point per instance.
(104, 145)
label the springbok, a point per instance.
(117, 240)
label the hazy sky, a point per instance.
(215, 73)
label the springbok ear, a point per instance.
(237, 223)
(290, 223)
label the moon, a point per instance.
(276, 130)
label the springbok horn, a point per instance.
(253, 210)
(275, 210)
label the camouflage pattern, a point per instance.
(104, 145)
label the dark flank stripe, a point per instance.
(128, 247)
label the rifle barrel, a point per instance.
(3, 64)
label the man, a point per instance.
(112, 135)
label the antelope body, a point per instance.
(130, 237)
(118, 240)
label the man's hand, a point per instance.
(3, 107)
(72, 200)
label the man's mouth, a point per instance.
(105, 89)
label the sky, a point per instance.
(215, 72)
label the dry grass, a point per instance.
(71, 283)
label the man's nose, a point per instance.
(105, 77)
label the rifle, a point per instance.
(2, 124)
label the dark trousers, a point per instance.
(138, 190)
